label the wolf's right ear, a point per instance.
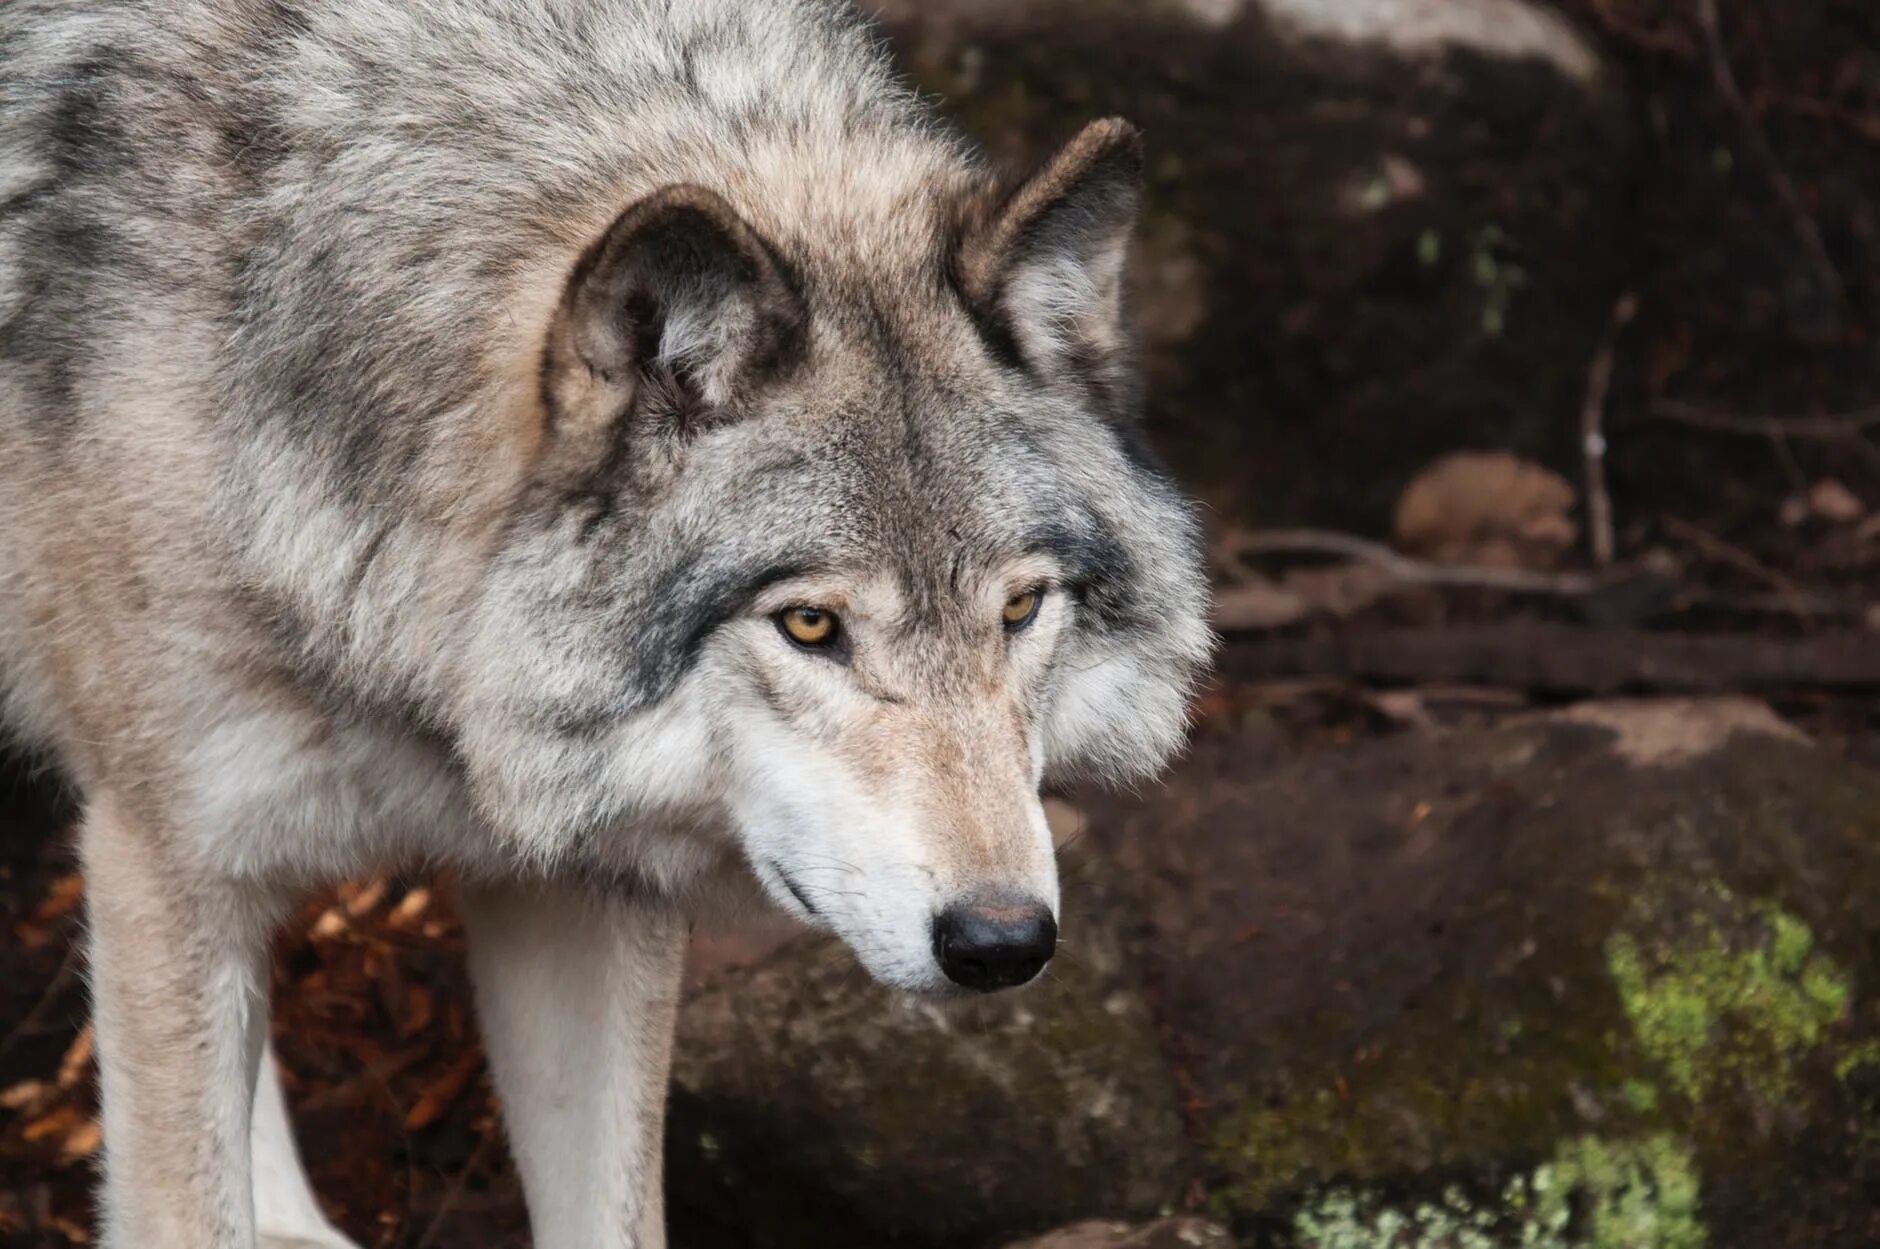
(1043, 272)
(680, 306)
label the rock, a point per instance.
(1486, 507)
(1375, 228)
(1834, 502)
(1507, 29)
(1604, 978)
(1600, 978)
(1165, 1234)
(809, 1101)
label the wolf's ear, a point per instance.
(1045, 273)
(679, 304)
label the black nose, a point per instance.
(994, 945)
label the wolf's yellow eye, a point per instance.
(808, 626)
(1021, 609)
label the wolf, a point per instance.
(627, 454)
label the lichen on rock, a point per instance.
(1746, 1010)
(1592, 1194)
(1531, 986)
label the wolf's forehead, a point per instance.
(930, 552)
(930, 487)
(942, 467)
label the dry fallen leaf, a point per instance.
(410, 908)
(420, 1009)
(25, 1096)
(81, 1142)
(77, 1058)
(441, 1093)
(61, 899)
(331, 924)
(362, 900)
(70, 1230)
(57, 1122)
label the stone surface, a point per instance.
(1364, 248)
(1602, 979)
(1511, 29)
(810, 1101)
(1163, 1234)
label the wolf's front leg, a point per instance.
(180, 1000)
(577, 994)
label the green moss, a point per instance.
(1592, 1194)
(1641, 1095)
(1737, 997)
(1441, 1099)
(1717, 1005)
(1632, 1195)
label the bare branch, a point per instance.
(1593, 431)
(1407, 570)
(1557, 658)
(1827, 428)
(1725, 78)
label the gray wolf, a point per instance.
(623, 452)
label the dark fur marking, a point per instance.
(249, 138)
(1099, 567)
(362, 564)
(285, 16)
(22, 202)
(84, 136)
(993, 327)
(82, 243)
(692, 600)
(730, 597)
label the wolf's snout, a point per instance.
(994, 945)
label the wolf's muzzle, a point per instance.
(994, 944)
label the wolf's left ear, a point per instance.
(680, 305)
(1045, 272)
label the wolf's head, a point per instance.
(848, 550)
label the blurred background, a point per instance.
(1522, 885)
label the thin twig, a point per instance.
(1791, 595)
(1593, 431)
(1790, 598)
(1864, 125)
(1725, 78)
(1668, 42)
(30, 1024)
(1828, 428)
(454, 1194)
(1407, 570)
(1532, 655)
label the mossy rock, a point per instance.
(813, 1107)
(1604, 979)
(1178, 1233)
